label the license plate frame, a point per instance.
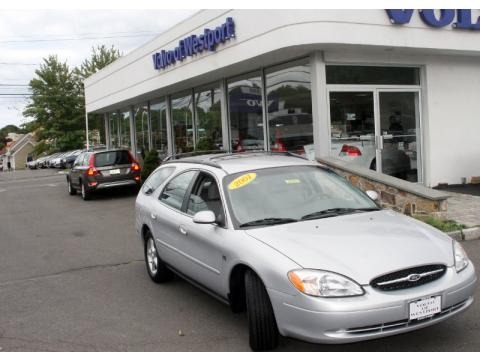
(425, 307)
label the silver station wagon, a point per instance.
(303, 252)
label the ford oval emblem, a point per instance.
(413, 277)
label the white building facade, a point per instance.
(398, 92)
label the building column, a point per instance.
(321, 129)
(107, 131)
(149, 124)
(226, 143)
(133, 142)
(86, 129)
(170, 139)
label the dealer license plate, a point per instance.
(425, 308)
(114, 171)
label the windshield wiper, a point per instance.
(335, 212)
(268, 221)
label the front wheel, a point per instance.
(262, 325)
(156, 269)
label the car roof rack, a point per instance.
(218, 155)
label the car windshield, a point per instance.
(109, 158)
(282, 195)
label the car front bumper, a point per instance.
(373, 315)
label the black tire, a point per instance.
(263, 329)
(86, 194)
(71, 190)
(162, 273)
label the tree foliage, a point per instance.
(101, 57)
(57, 104)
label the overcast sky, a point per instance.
(23, 34)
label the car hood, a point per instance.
(361, 246)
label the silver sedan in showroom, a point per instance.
(302, 251)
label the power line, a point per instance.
(71, 39)
(145, 32)
(21, 85)
(13, 63)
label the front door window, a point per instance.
(400, 130)
(353, 127)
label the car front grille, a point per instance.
(408, 278)
(391, 326)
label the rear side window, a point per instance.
(156, 179)
(174, 192)
(109, 158)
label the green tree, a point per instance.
(57, 105)
(101, 56)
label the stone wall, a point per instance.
(399, 195)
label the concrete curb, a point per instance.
(465, 234)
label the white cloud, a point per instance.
(16, 26)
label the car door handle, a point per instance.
(153, 216)
(182, 230)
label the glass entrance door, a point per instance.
(400, 134)
(377, 129)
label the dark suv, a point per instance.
(95, 170)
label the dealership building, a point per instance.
(394, 91)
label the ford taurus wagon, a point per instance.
(297, 247)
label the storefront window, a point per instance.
(124, 129)
(289, 110)
(182, 123)
(114, 123)
(246, 113)
(208, 119)
(158, 114)
(140, 113)
(369, 75)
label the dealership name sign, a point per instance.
(195, 44)
(437, 19)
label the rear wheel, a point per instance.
(86, 194)
(71, 190)
(156, 269)
(261, 319)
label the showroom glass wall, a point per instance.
(375, 118)
(273, 103)
(142, 130)
(158, 122)
(289, 107)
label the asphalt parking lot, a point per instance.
(72, 278)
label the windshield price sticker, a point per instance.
(242, 181)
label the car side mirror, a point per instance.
(204, 217)
(372, 195)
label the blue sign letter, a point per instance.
(446, 17)
(399, 16)
(464, 20)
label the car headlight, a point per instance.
(323, 283)
(461, 258)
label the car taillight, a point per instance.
(350, 150)
(135, 167)
(91, 171)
